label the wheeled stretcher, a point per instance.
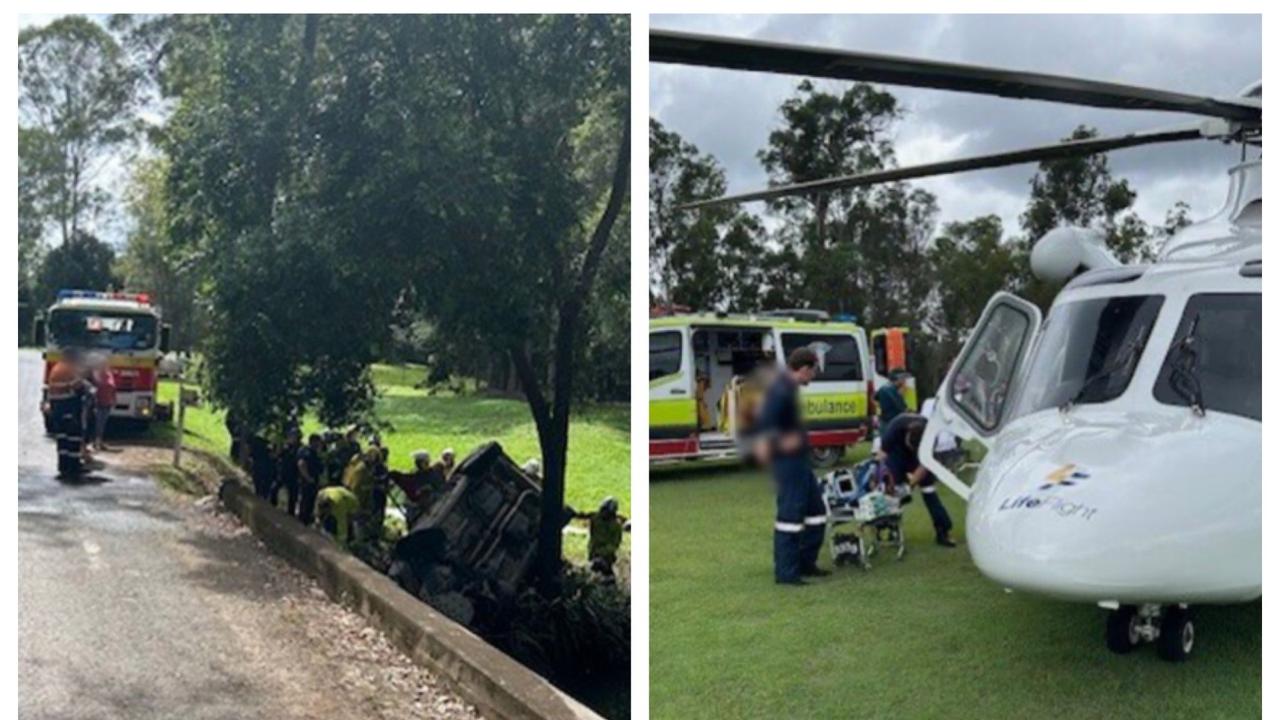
(870, 508)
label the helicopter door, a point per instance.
(974, 397)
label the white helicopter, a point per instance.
(1123, 432)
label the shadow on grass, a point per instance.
(616, 417)
(469, 415)
(700, 470)
(695, 470)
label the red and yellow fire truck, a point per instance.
(126, 328)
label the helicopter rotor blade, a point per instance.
(667, 46)
(1057, 151)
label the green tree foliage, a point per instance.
(34, 155)
(151, 261)
(825, 135)
(1177, 218)
(76, 101)
(872, 252)
(705, 259)
(1081, 191)
(462, 177)
(290, 309)
(971, 261)
(83, 263)
(521, 232)
(851, 251)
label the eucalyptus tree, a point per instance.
(709, 259)
(77, 103)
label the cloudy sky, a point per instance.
(730, 113)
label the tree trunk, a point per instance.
(552, 418)
(75, 200)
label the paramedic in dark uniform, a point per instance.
(783, 443)
(889, 398)
(900, 446)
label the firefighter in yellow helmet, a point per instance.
(447, 462)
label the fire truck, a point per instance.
(125, 327)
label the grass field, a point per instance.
(599, 456)
(927, 637)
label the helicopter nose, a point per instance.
(1047, 540)
(1080, 516)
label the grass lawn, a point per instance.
(927, 637)
(599, 454)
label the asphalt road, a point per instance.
(130, 609)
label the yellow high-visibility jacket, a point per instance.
(341, 504)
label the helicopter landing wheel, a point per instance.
(1177, 635)
(1124, 629)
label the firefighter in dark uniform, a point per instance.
(67, 389)
(900, 448)
(783, 444)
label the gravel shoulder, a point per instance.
(257, 638)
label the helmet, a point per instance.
(532, 466)
(609, 506)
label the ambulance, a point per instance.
(708, 373)
(125, 327)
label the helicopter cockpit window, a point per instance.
(1215, 359)
(1088, 352)
(981, 382)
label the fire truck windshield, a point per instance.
(100, 330)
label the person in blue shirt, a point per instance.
(889, 399)
(900, 446)
(783, 444)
